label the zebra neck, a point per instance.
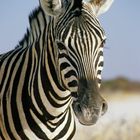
(47, 89)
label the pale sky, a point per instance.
(121, 23)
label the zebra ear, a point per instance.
(51, 7)
(99, 6)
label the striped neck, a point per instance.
(40, 40)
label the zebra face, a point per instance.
(79, 40)
(81, 74)
(80, 58)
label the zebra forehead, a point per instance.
(80, 20)
(81, 29)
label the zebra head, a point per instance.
(79, 40)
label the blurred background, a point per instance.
(121, 74)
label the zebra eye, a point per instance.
(61, 47)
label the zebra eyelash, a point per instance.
(103, 43)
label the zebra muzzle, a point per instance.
(88, 115)
(89, 105)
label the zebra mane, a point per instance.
(33, 15)
(77, 4)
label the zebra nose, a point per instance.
(104, 108)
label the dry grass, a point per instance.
(119, 130)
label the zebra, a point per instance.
(54, 73)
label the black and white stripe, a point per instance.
(39, 78)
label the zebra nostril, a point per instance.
(78, 107)
(104, 108)
(74, 94)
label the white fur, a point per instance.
(99, 9)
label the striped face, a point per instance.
(80, 40)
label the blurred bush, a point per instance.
(120, 83)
